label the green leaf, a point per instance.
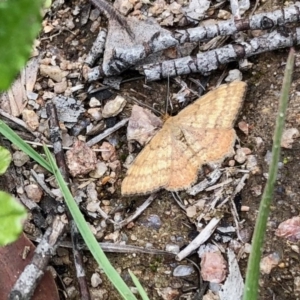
(20, 22)
(12, 215)
(5, 159)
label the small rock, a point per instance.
(157, 7)
(241, 155)
(259, 141)
(256, 190)
(288, 137)
(54, 72)
(268, 157)
(175, 8)
(108, 152)
(213, 267)
(67, 140)
(95, 280)
(67, 281)
(94, 15)
(269, 262)
(124, 6)
(172, 248)
(244, 127)
(183, 270)
(60, 87)
(81, 159)
(20, 158)
(91, 192)
(95, 25)
(191, 211)
(231, 163)
(33, 192)
(70, 24)
(245, 235)
(289, 229)
(252, 164)
(152, 221)
(224, 14)
(100, 170)
(297, 284)
(234, 75)
(113, 107)
(133, 237)
(31, 119)
(168, 293)
(93, 206)
(72, 292)
(94, 102)
(95, 113)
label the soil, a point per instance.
(259, 111)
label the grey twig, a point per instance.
(106, 133)
(25, 285)
(206, 62)
(121, 58)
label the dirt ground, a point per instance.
(259, 111)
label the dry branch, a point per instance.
(119, 58)
(206, 62)
(24, 287)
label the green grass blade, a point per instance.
(16, 140)
(252, 276)
(138, 286)
(88, 236)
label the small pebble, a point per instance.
(113, 107)
(172, 248)
(33, 192)
(94, 102)
(183, 270)
(20, 158)
(100, 170)
(96, 280)
(31, 119)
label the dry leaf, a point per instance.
(142, 125)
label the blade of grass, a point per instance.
(16, 140)
(138, 286)
(252, 276)
(88, 236)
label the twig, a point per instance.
(211, 179)
(202, 237)
(129, 56)
(110, 247)
(25, 285)
(137, 212)
(204, 63)
(106, 133)
(97, 48)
